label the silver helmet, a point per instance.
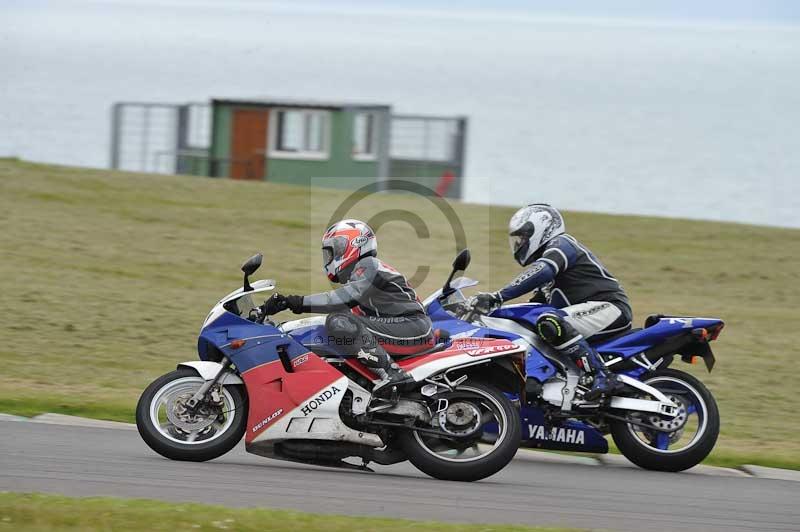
(531, 228)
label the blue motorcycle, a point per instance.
(664, 419)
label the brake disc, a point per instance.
(180, 415)
(460, 418)
(674, 425)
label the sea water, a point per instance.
(669, 118)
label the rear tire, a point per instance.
(506, 444)
(166, 443)
(645, 455)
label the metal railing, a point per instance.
(428, 138)
(142, 132)
(430, 150)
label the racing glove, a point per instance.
(276, 303)
(485, 302)
(538, 297)
(295, 304)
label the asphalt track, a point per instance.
(80, 461)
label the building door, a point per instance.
(249, 144)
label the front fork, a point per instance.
(200, 394)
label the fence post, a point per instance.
(181, 137)
(460, 145)
(385, 134)
(116, 123)
(460, 154)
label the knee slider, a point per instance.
(550, 328)
(341, 324)
(558, 332)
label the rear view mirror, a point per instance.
(461, 261)
(459, 265)
(252, 264)
(249, 268)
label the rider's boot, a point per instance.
(560, 334)
(393, 379)
(605, 382)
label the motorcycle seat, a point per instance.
(441, 341)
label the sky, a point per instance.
(725, 10)
(786, 11)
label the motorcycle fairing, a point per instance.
(262, 343)
(466, 349)
(294, 394)
(565, 435)
(462, 352)
(301, 410)
(304, 403)
(297, 402)
(284, 382)
(536, 364)
(660, 332)
(627, 345)
(559, 434)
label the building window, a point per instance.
(299, 134)
(365, 136)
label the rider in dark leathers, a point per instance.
(565, 274)
(374, 313)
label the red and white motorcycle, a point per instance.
(294, 398)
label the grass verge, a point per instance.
(106, 276)
(33, 512)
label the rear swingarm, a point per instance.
(439, 433)
(637, 423)
(603, 416)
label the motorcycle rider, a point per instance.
(564, 274)
(375, 312)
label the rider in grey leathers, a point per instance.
(374, 313)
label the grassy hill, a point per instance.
(107, 276)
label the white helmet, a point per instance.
(343, 244)
(531, 228)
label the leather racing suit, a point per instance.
(373, 315)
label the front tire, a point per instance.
(651, 449)
(466, 460)
(168, 429)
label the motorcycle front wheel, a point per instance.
(177, 432)
(463, 455)
(683, 441)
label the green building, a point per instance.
(285, 141)
(336, 144)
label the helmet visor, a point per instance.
(516, 242)
(327, 255)
(333, 249)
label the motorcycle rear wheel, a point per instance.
(218, 429)
(443, 459)
(651, 449)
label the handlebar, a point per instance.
(470, 315)
(466, 312)
(259, 315)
